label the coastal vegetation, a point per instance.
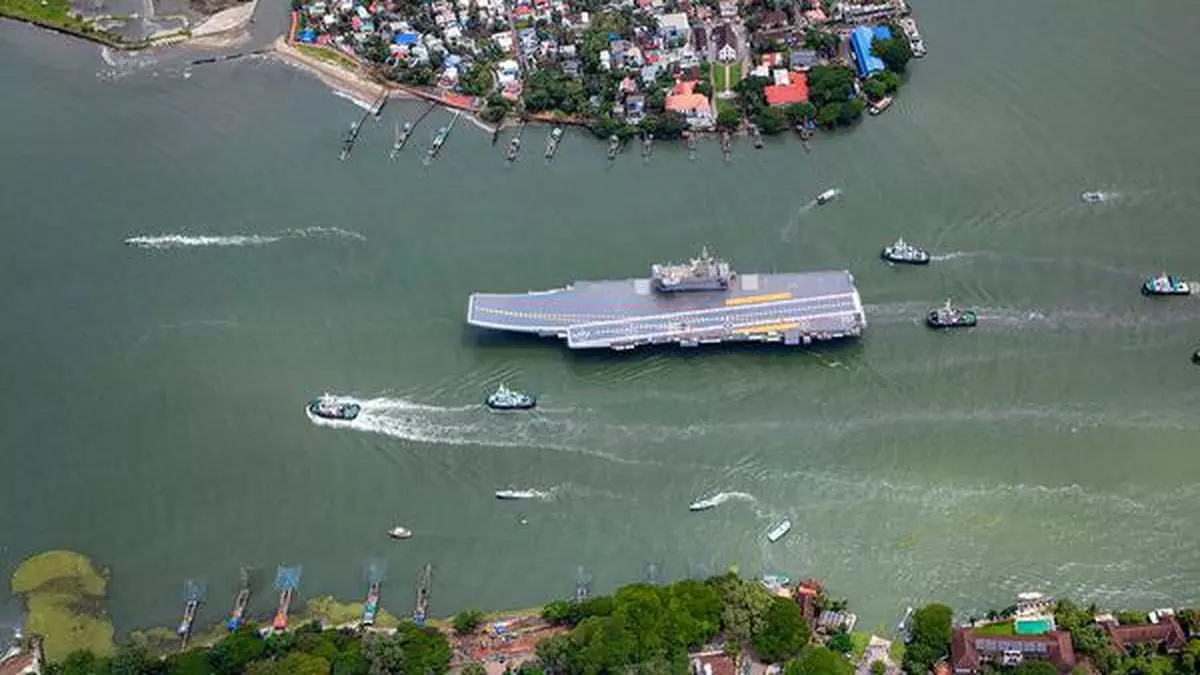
(63, 592)
(328, 56)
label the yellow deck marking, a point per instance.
(752, 299)
(768, 328)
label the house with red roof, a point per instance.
(795, 90)
(694, 107)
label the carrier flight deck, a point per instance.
(704, 302)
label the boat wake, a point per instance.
(170, 241)
(951, 256)
(722, 497)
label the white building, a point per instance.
(727, 54)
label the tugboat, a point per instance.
(507, 399)
(904, 252)
(1165, 284)
(327, 407)
(949, 316)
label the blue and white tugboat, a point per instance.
(905, 253)
(1165, 284)
(328, 407)
(507, 399)
(949, 316)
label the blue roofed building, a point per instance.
(860, 41)
(406, 38)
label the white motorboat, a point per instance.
(779, 531)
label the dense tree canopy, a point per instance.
(931, 633)
(894, 52)
(552, 89)
(784, 633)
(819, 660)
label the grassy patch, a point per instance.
(327, 55)
(726, 103)
(735, 74)
(1003, 628)
(720, 78)
(64, 592)
(330, 612)
(859, 639)
(897, 651)
(48, 11)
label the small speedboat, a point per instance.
(1166, 284)
(779, 531)
(400, 533)
(949, 316)
(328, 407)
(517, 494)
(827, 196)
(704, 504)
(1092, 197)
(904, 252)
(507, 399)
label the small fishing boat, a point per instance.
(1166, 284)
(904, 252)
(400, 533)
(827, 196)
(1092, 197)
(507, 399)
(614, 146)
(779, 531)
(552, 141)
(880, 105)
(704, 504)
(327, 407)
(371, 606)
(949, 316)
(517, 494)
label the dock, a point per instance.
(582, 585)
(371, 605)
(424, 584)
(402, 136)
(287, 579)
(514, 145)
(690, 138)
(614, 147)
(193, 594)
(440, 139)
(726, 145)
(356, 128)
(238, 615)
(552, 140)
(647, 145)
(757, 134)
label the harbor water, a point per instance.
(156, 391)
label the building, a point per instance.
(713, 663)
(803, 59)
(860, 41)
(1165, 636)
(793, 88)
(675, 26)
(806, 594)
(694, 107)
(969, 650)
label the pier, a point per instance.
(690, 138)
(403, 135)
(287, 579)
(238, 615)
(424, 583)
(356, 128)
(647, 145)
(374, 574)
(514, 145)
(614, 147)
(757, 134)
(552, 140)
(440, 139)
(582, 584)
(726, 145)
(193, 593)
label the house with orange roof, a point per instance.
(789, 89)
(694, 107)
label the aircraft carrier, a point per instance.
(702, 302)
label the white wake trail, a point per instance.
(160, 242)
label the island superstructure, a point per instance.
(702, 302)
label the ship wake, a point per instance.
(160, 242)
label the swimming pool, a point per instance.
(1033, 625)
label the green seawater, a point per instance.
(154, 414)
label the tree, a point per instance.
(821, 42)
(784, 633)
(878, 668)
(728, 118)
(771, 121)
(797, 113)
(375, 49)
(874, 89)
(818, 660)
(466, 621)
(235, 651)
(841, 642)
(474, 668)
(191, 662)
(478, 80)
(851, 111)
(746, 605)
(704, 88)
(829, 114)
(894, 52)
(134, 660)
(557, 611)
(296, 663)
(931, 634)
(665, 126)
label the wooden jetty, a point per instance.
(758, 139)
(371, 606)
(514, 145)
(193, 593)
(647, 145)
(440, 139)
(690, 137)
(581, 586)
(286, 581)
(726, 145)
(614, 146)
(424, 582)
(552, 140)
(356, 128)
(238, 615)
(401, 138)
